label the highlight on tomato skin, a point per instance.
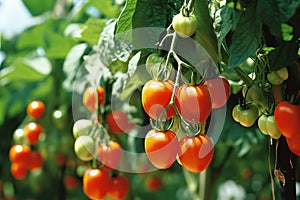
(200, 148)
(20, 153)
(161, 148)
(35, 109)
(32, 132)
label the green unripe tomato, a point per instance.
(18, 136)
(246, 117)
(262, 124)
(272, 128)
(283, 73)
(274, 79)
(84, 148)
(82, 127)
(184, 26)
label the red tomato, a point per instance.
(89, 97)
(219, 90)
(153, 183)
(119, 188)
(32, 132)
(118, 122)
(96, 183)
(294, 144)
(110, 154)
(61, 160)
(193, 103)
(161, 148)
(287, 117)
(20, 154)
(156, 95)
(18, 170)
(196, 153)
(70, 182)
(36, 161)
(35, 109)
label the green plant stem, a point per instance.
(202, 184)
(247, 80)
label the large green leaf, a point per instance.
(37, 7)
(58, 45)
(246, 37)
(26, 70)
(93, 28)
(106, 8)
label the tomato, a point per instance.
(219, 89)
(32, 132)
(246, 117)
(294, 145)
(35, 109)
(60, 118)
(161, 148)
(287, 117)
(118, 122)
(153, 183)
(274, 79)
(119, 188)
(283, 73)
(193, 103)
(18, 136)
(20, 154)
(156, 95)
(96, 183)
(82, 127)
(18, 170)
(185, 26)
(268, 126)
(61, 160)
(36, 161)
(89, 97)
(70, 182)
(154, 62)
(84, 148)
(110, 154)
(196, 153)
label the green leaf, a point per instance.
(37, 7)
(246, 37)
(59, 45)
(124, 22)
(91, 32)
(106, 7)
(72, 64)
(287, 8)
(25, 70)
(226, 19)
(4, 99)
(287, 32)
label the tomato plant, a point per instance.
(219, 90)
(84, 148)
(36, 161)
(197, 95)
(35, 109)
(18, 170)
(161, 148)
(268, 126)
(82, 127)
(96, 183)
(196, 152)
(185, 26)
(119, 187)
(156, 96)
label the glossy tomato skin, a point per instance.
(294, 144)
(18, 170)
(245, 116)
(89, 97)
(161, 148)
(196, 152)
(96, 183)
(193, 103)
(119, 188)
(185, 26)
(287, 117)
(118, 122)
(110, 154)
(219, 89)
(32, 132)
(35, 109)
(156, 95)
(20, 154)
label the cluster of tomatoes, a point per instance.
(21, 154)
(93, 143)
(280, 117)
(162, 101)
